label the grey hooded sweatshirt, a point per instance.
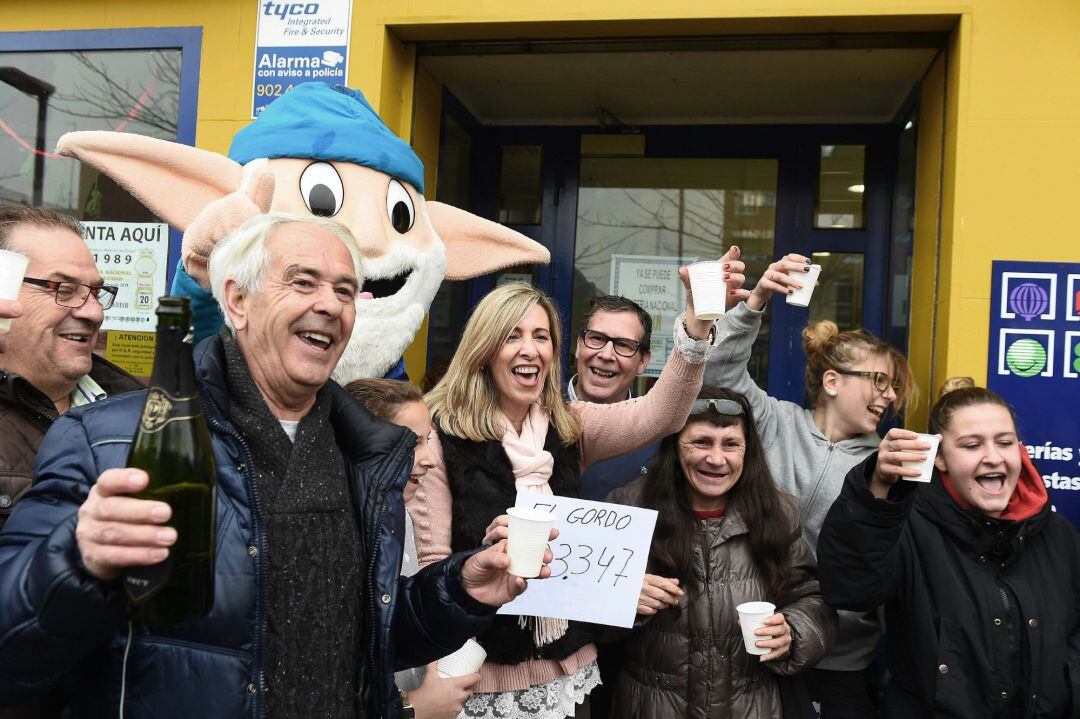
(803, 463)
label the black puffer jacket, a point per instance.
(692, 663)
(983, 614)
(26, 415)
(482, 482)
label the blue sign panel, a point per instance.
(299, 42)
(1034, 363)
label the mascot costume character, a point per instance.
(316, 150)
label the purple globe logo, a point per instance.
(1029, 300)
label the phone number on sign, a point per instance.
(271, 89)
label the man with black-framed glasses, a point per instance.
(612, 351)
(47, 364)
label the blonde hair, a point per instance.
(465, 402)
(827, 348)
(243, 256)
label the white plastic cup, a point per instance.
(751, 616)
(529, 532)
(926, 467)
(12, 270)
(466, 660)
(709, 288)
(801, 297)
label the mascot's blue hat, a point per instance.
(333, 123)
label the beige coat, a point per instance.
(692, 662)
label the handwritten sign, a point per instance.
(598, 565)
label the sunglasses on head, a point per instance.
(721, 406)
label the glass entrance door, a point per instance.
(621, 224)
(640, 218)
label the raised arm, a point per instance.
(860, 548)
(738, 330)
(609, 430)
(430, 509)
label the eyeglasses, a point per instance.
(74, 294)
(721, 406)
(623, 346)
(881, 381)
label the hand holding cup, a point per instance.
(12, 270)
(775, 635)
(777, 280)
(696, 327)
(900, 446)
(442, 697)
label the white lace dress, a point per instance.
(555, 700)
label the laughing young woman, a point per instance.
(979, 576)
(852, 379)
(503, 426)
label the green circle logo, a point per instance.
(1026, 358)
(1076, 362)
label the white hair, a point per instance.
(242, 256)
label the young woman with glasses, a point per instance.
(725, 535)
(853, 380)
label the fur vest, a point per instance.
(482, 484)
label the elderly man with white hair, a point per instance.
(310, 617)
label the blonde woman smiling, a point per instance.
(503, 426)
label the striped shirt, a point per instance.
(86, 391)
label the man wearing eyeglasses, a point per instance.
(46, 361)
(612, 351)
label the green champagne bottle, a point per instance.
(172, 445)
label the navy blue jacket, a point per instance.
(62, 629)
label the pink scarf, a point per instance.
(531, 462)
(532, 466)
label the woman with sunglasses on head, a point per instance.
(502, 427)
(979, 576)
(852, 379)
(725, 535)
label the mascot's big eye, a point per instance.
(321, 188)
(399, 207)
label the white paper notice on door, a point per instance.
(599, 561)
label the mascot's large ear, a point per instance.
(475, 246)
(174, 181)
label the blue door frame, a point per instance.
(795, 147)
(186, 39)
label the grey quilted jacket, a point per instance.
(691, 663)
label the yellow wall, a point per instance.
(1009, 164)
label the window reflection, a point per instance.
(521, 185)
(841, 188)
(656, 209)
(135, 91)
(454, 188)
(839, 295)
